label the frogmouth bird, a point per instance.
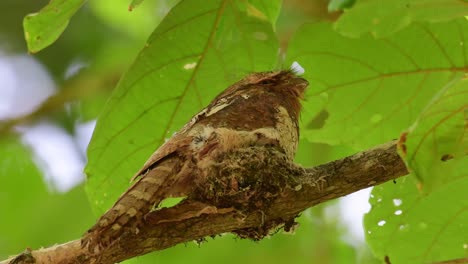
(262, 109)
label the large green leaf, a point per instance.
(194, 53)
(408, 227)
(366, 91)
(436, 145)
(43, 28)
(385, 17)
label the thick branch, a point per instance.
(206, 214)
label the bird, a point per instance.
(261, 109)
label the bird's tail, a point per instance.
(128, 212)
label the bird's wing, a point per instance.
(177, 143)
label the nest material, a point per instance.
(249, 180)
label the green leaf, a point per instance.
(196, 51)
(366, 91)
(336, 5)
(44, 28)
(409, 227)
(437, 144)
(139, 23)
(134, 4)
(264, 9)
(385, 17)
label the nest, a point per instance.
(250, 180)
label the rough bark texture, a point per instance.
(250, 195)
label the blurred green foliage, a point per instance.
(32, 215)
(336, 5)
(364, 91)
(384, 17)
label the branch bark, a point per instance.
(206, 214)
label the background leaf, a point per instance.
(29, 210)
(409, 227)
(139, 23)
(385, 17)
(336, 5)
(134, 4)
(175, 76)
(366, 91)
(437, 143)
(264, 9)
(43, 28)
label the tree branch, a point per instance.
(250, 209)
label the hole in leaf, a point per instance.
(397, 202)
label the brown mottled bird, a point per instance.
(259, 110)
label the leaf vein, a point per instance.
(438, 44)
(196, 69)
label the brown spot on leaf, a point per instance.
(446, 157)
(401, 144)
